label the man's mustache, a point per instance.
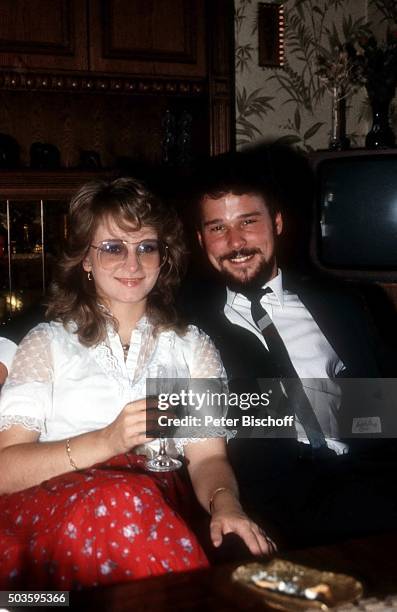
(239, 253)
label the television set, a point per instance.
(355, 214)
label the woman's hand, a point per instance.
(216, 489)
(236, 521)
(129, 428)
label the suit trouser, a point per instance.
(303, 501)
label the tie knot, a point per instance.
(264, 291)
(255, 295)
(255, 298)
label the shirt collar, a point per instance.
(142, 324)
(275, 284)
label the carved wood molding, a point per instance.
(19, 81)
(221, 140)
(30, 185)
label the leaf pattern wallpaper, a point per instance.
(290, 103)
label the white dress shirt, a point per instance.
(7, 352)
(313, 358)
(61, 388)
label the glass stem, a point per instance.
(162, 446)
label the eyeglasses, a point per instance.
(150, 254)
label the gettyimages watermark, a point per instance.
(207, 408)
(259, 408)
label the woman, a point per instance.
(75, 398)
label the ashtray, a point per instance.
(288, 586)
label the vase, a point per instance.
(381, 135)
(338, 140)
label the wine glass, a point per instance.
(162, 462)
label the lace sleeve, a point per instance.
(209, 390)
(26, 396)
(206, 361)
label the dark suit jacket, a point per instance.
(340, 314)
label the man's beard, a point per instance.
(247, 282)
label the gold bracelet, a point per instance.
(69, 452)
(214, 494)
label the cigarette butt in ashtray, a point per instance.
(319, 591)
(268, 584)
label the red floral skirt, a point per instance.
(111, 523)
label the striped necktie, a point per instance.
(298, 401)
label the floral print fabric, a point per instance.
(111, 523)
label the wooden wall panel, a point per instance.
(43, 34)
(180, 53)
(220, 45)
(164, 37)
(113, 125)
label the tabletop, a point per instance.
(371, 560)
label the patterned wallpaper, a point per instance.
(289, 103)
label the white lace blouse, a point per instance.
(61, 388)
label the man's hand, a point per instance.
(237, 522)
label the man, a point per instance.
(305, 487)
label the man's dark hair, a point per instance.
(237, 173)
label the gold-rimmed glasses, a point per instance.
(150, 253)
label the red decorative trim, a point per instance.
(271, 26)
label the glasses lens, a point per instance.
(150, 253)
(112, 252)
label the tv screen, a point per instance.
(356, 213)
